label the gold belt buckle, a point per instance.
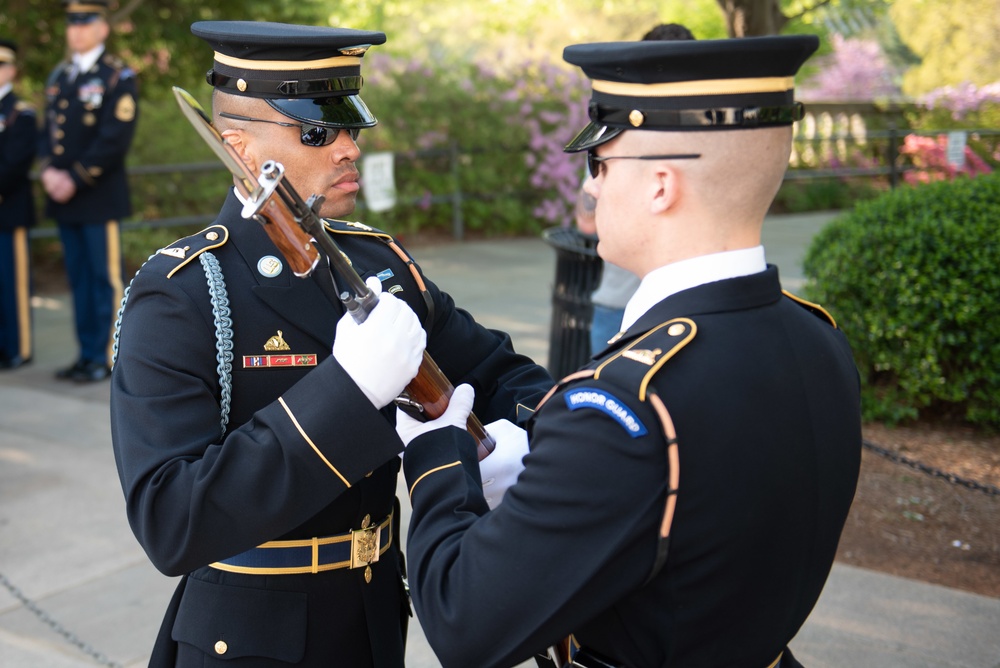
(365, 546)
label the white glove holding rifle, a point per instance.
(382, 354)
(499, 470)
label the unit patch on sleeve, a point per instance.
(590, 397)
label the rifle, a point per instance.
(295, 227)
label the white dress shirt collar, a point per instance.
(84, 61)
(5, 90)
(661, 283)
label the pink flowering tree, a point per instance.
(856, 70)
(961, 107)
(490, 129)
(929, 156)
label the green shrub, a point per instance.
(912, 278)
(799, 196)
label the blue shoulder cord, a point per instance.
(223, 329)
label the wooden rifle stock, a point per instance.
(293, 224)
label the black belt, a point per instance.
(355, 549)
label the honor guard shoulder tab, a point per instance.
(186, 249)
(24, 107)
(815, 309)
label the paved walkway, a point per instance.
(66, 548)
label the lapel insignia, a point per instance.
(385, 274)
(647, 357)
(276, 342)
(179, 253)
(269, 266)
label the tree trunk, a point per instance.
(753, 18)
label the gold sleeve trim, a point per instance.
(281, 400)
(434, 470)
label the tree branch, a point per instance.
(819, 4)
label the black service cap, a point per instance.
(722, 84)
(81, 12)
(308, 73)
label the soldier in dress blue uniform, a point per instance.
(685, 492)
(252, 419)
(88, 127)
(18, 144)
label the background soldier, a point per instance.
(18, 143)
(252, 459)
(89, 124)
(724, 423)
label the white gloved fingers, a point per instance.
(455, 415)
(374, 284)
(382, 354)
(500, 469)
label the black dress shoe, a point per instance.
(8, 363)
(91, 372)
(67, 373)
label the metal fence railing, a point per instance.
(835, 144)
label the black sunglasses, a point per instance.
(594, 161)
(311, 135)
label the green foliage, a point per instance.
(823, 194)
(956, 40)
(911, 278)
(473, 132)
(152, 36)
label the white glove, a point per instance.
(382, 354)
(456, 415)
(499, 470)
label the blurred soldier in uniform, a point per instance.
(90, 120)
(684, 494)
(18, 143)
(252, 419)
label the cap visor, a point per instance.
(343, 111)
(81, 19)
(593, 135)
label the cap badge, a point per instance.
(636, 118)
(269, 266)
(354, 51)
(241, 85)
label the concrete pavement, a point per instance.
(76, 590)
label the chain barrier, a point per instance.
(71, 637)
(930, 470)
